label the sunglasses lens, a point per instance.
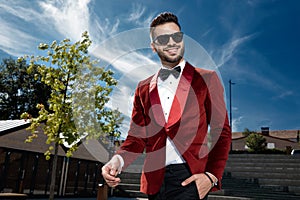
(163, 39)
(177, 37)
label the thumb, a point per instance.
(188, 181)
(113, 170)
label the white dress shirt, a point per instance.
(167, 90)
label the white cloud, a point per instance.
(235, 108)
(15, 36)
(103, 28)
(137, 16)
(28, 23)
(69, 17)
(13, 41)
(24, 12)
(284, 94)
(138, 11)
(226, 53)
(236, 124)
(207, 32)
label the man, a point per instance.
(172, 112)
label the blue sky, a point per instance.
(255, 43)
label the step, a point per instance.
(276, 188)
(129, 186)
(253, 155)
(257, 191)
(263, 164)
(219, 197)
(294, 189)
(134, 168)
(281, 182)
(267, 158)
(263, 156)
(262, 169)
(263, 196)
(130, 175)
(128, 193)
(266, 175)
(130, 181)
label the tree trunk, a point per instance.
(53, 173)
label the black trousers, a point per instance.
(172, 189)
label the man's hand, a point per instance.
(202, 182)
(110, 171)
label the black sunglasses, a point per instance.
(164, 39)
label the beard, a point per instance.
(171, 59)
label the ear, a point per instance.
(153, 47)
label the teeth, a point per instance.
(172, 50)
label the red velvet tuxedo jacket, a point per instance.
(198, 104)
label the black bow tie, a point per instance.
(165, 73)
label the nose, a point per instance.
(171, 41)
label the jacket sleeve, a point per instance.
(220, 132)
(135, 142)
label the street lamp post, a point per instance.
(230, 109)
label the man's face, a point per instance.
(166, 42)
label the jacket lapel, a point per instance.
(181, 95)
(155, 102)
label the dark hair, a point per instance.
(163, 18)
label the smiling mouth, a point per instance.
(172, 50)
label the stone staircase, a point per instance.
(262, 176)
(247, 176)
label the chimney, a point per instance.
(265, 130)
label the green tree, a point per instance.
(247, 132)
(20, 92)
(79, 93)
(256, 142)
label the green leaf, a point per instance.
(43, 46)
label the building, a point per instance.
(277, 139)
(24, 169)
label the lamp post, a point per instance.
(230, 109)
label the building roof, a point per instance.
(13, 135)
(283, 134)
(92, 150)
(10, 124)
(279, 143)
(15, 139)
